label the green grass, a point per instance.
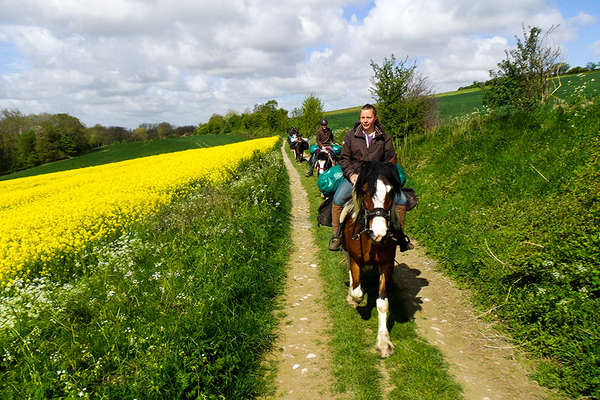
(462, 102)
(126, 151)
(179, 306)
(417, 370)
(509, 204)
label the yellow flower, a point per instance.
(46, 215)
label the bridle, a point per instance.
(368, 215)
(329, 157)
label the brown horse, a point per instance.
(301, 145)
(368, 238)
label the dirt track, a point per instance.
(302, 354)
(482, 361)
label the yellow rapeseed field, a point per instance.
(48, 215)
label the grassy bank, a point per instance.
(126, 151)
(510, 204)
(416, 369)
(179, 306)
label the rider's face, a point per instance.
(367, 119)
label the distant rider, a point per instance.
(324, 140)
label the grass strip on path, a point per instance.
(416, 369)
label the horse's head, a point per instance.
(374, 192)
(324, 161)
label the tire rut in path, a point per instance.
(301, 352)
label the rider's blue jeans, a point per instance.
(344, 193)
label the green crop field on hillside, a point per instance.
(460, 102)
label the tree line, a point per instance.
(558, 69)
(30, 140)
(264, 119)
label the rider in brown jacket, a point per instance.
(367, 141)
(324, 140)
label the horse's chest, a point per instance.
(367, 253)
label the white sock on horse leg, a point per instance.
(382, 309)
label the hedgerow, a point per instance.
(509, 202)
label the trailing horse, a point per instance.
(325, 160)
(300, 145)
(367, 237)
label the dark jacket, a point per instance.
(355, 149)
(324, 137)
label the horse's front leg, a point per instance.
(384, 343)
(355, 293)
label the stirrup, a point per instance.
(334, 243)
(402, 240)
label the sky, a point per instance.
(127, 62)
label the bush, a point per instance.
(403, 98)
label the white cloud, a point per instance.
(131, 61)
(596, 48)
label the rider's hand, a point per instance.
(353, 178)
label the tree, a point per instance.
(140, 134)
(12, 124)
(216, 124)
(561, 68)
(233, 121)
(312, 114)
(165, 130)
(524, 77)
(591, 66)
(185, 130)
(403, 97)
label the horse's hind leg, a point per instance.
(384, 343)
(355, 293)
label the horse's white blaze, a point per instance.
(378, 225)
(321, 164)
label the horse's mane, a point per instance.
(370, 171)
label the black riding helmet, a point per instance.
(324, 121)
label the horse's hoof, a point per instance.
(386, 351)
(385, 345)
(350, 300)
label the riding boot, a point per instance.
(311, 166)
(310, 171)
(401, 214)
(402, 240)
(335, 242)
